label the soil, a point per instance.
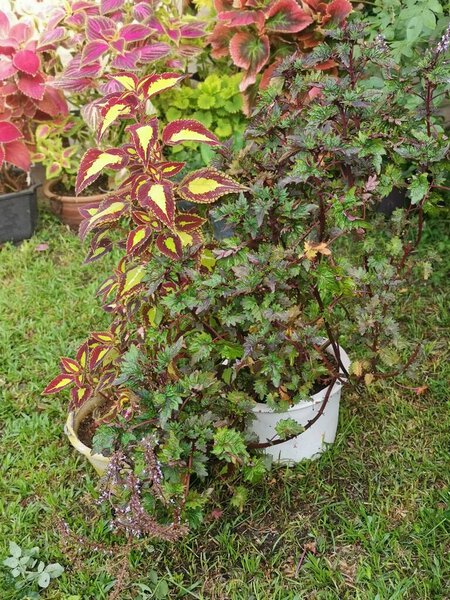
(98, 187)
(89, 424)
(13, 182)
(86, 430)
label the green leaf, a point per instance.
(428, 18)
(239, 498)
(418, 188)
(104, 440)
(15, 550)
(414, 29)
(43, 580)
(288, 427)
(161, 590)
(54, 570)
(12, 562)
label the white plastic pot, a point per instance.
(74, 419)
(312, 442)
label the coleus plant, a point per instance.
(146, 200)
(257, 35)
(113, 35)
(25, 95)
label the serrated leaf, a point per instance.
(158, 197)
(94, 162)
(58, 383)
(188, 130)
(138, 239)
(144, 138)
(170, 245)
(155, 84)
(206, 185)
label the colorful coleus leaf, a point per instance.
(206, 185)
(117, 107)
(79, 395)
(9, 132)
(145, 137)
(27, 61)
(170, 245)
(109, 211)
(155, 84)
(188, 130)
(94, 162)
(159, 198)
(188, 222)
(60, 382)
(69, 366)
(286, 16)
(138, 239)
(131, 281)
(250, 52)
(97, 355)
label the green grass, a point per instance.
(374, 508)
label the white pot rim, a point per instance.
(317, 398)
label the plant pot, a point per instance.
(395, 199)
(98, 461)
(67, 207)
(312, 442)
(18, 215)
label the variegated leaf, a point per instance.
(128, 81)
(79, 396)
(69, 366)
(82, 355)
(143, 217)
(190, 238)
(116, 108)
(158, 197)
(131, 280)
(94, 162)
(109, 210)
(103, 337)
(58, 383)
(144, 138)
(188, 130)
(138, 239)
(170, 245)
(97, 355)
(155, 84)
(188, 222)
(206, 185)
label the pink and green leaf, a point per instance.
(286, 16)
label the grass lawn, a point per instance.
(368, 521)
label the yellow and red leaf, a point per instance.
(131, 280)
(139, 238)
(97, 355)
(187, 222)
(158, 197)
(145, 137)
(94, 162)
(79, 396)
(69, 366)
(170, 245)
(143, 217)
(155, 84)
(206, 185)
(110, 210)
(58, 383)
(116, 108)
(188, 130)
(82, 354)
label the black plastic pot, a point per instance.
(18, 215)
(396, 199)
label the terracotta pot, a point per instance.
(67, 207)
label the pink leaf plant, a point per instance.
(25, 95)
(113, 35)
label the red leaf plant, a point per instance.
(143, 213)
(257, 35)
(25, 95)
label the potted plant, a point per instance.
(209, 338)
(101, 40)
(58, 148)
(25, 99)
